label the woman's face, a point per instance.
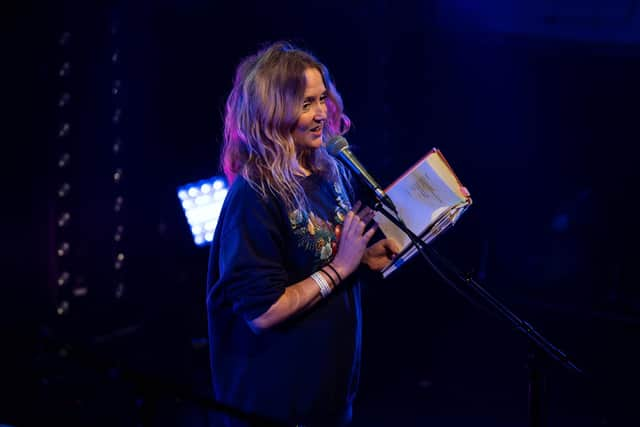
(307, 132)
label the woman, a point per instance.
(283, 300)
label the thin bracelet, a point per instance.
(335, 271)
(322, 284)
(329, 276)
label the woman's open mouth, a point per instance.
(317, 130)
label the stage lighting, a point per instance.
(201, 202)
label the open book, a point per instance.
(429, 198)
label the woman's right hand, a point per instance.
(353, 240)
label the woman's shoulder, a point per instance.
(244, 193)
(241, 186)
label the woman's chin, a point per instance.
(317, 142)
(311, 143)
(314, 145)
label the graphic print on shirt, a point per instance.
(316, 234)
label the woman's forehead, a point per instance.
(314, 82)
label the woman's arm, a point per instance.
(306, 293)
(295, 299)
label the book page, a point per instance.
(421, 196)
(441, 167)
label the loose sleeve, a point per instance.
(249, 248)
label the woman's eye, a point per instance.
(306, 106)
(323, 98)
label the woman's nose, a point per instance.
(320, 113)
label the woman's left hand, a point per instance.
(378, 255)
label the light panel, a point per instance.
(202, 202)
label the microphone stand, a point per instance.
(538, 343)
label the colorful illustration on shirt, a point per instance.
(316, 234)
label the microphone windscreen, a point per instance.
(336, 144)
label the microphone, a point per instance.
(339, 147)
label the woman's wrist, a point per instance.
(334, 274)
(324, 286)
(338, 270)
(332, 282)
(327, 278)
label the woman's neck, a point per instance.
(303, 167)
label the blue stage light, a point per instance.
(202, 202)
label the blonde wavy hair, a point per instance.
(261, 111)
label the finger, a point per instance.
(354, 230)
(353, 212)
(346, 223)
(363, 209)
(369, 234)
(365, 213)
(391, 246)
(370, 215)
(351, 226)
(361, 226)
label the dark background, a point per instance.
(535, 105)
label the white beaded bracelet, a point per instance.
(325, 289)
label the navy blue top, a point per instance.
(304, 370)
